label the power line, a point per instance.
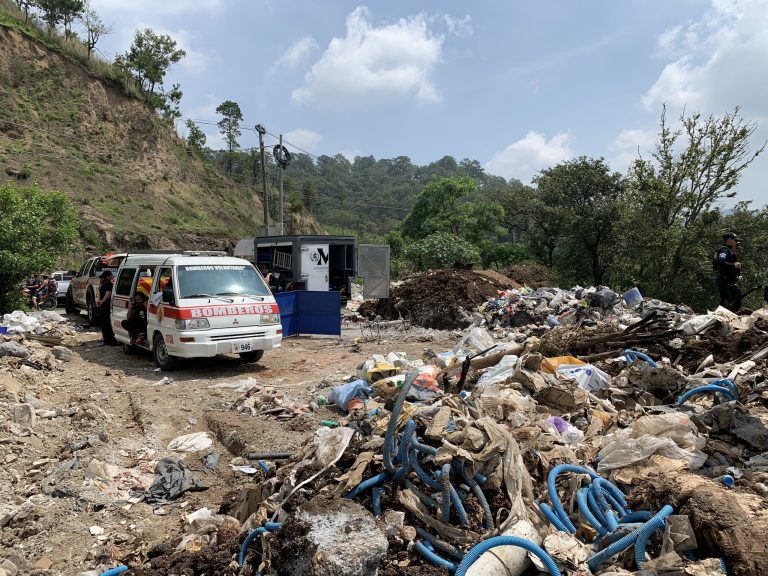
(238, 178)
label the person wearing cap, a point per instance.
(728, 270)
(102, 303)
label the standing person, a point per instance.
(728, 270)
(103, 304)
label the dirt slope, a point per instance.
(132, 177)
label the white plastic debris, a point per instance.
(195, 442)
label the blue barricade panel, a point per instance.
(288, 316)
(304, 312)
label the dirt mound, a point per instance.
(164, 560)
(532, 275)
(440, 299)
(724, 349)
(500, 278)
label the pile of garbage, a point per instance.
(625, 445)
(440, 299)
(46, 323)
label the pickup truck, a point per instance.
(62, 278)
(84, 287)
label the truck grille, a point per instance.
(246, 336)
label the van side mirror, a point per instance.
(168, 297)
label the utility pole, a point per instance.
(282, 198)
(261, 130)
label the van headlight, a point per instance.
(270, 318)
(194, 324)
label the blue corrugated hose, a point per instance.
(632, 354)
(268, 527)
(702, 390)
(434, 558)
(115, 571)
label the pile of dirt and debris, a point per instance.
(532, 275)
(582, 431)
(440, 299)
(436, 459)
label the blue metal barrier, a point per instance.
(305, 312)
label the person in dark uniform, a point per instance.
(728, 270)
(103, 303)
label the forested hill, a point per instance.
(366, 196)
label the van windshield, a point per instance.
(201, 281)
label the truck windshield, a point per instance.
(201, 281)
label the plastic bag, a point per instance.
(488, 384)
(551, 364)
(672, 435)
(478, 340)
(568, 433)
(341, 395)
(587, 376)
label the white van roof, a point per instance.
(177, 259)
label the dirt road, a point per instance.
(57, 514)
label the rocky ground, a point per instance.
(63, 510)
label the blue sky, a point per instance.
(519, 86)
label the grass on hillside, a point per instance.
(12, 17)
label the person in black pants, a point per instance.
(728, 270)
(136, 323)
(103, 305)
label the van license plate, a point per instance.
(240, 347)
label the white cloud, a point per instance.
(629, 144)
(195, 62)
(140, 8)
(461, 27)
(716, 63)
(295, 55)
(395, 59)
(526, 157)
(301, 138)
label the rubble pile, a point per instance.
(564, 431)
(440, 299)
(564, 448)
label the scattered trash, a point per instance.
(173, 479)
(195, 442)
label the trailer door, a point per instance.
(314, 266)
(373, 268)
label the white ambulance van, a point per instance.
(198, 305)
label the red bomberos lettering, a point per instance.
(212, 311)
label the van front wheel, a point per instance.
(163, 359)
(252, 356)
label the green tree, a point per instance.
(149, 58)
(229, 126)
(36, 227)
(195, 138)
(444, 206)
(71, 11)
(670, 217)
(582, 196)
(51, 12)
(442, 250)
(94, 28)
(170, 103)
(25, 6)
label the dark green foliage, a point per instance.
(229, 126)
(36, 227)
